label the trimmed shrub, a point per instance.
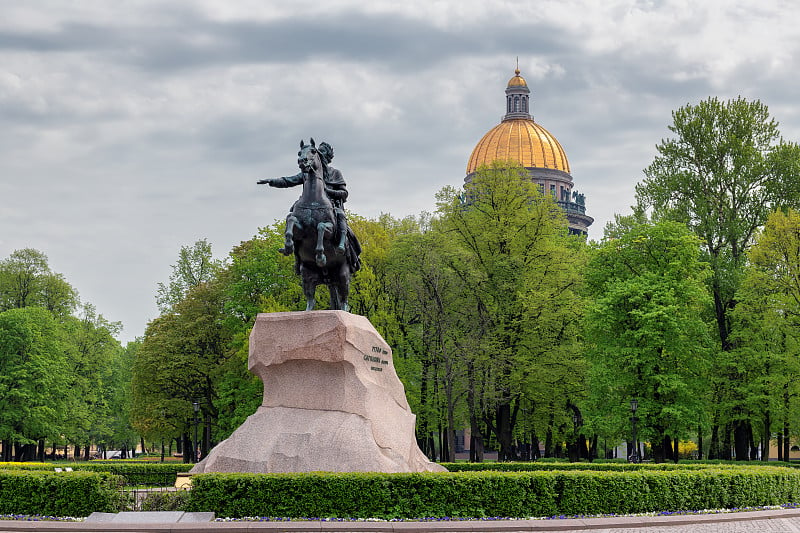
(154, 474)
(374, 495)
(655, 491)
(490, 494)
(539, 466)
(59, 494)
(165, 501)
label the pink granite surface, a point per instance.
(332, 401)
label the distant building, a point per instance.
(519, 138)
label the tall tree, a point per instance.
(256, 279)
(195, 265)
(521, 268)
(34, 379)
(178, 364)
(27, 281)
(723, 173)
(117, 385)
(91, 346)
(645, 327)
(725, 170)
(767, 319)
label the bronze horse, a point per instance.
(311, 233)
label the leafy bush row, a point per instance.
(538, 466)
(161, 474)
(59, 494)
(488, 494)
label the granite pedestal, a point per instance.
(332, 401)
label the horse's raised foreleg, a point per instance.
(322, 227)
(288, 243)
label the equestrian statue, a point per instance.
(326, 250)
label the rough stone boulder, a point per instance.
(332, 401)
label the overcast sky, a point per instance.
(131, 128)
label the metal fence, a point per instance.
(152, 491)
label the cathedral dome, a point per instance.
(517, 80)
(520, 140)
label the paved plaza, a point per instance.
(785, 521)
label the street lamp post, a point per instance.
(196, 407)
(634, 458)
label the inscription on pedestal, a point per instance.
(375, 359)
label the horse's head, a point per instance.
(309, 158)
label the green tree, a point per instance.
(90, 345)
(645, 328)
(27, 281)
(34, 379)
(178, 364)
(256, 279)
(117, 385)
(767, 319)
(425, 297)
(722, 173)
(521, 268)
(195, 265)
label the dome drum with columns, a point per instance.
(519, 138)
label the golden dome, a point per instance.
(517, 80)
(520, 140)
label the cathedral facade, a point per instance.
(519, 138)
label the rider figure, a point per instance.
(335, 188)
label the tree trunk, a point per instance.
(786, 441)
(475, 448)
(714, 448)
(475, 434)
(765, 437)
(593, 453)
(699, 442)
(188, 456)
(676, 452)
(548, 436)
(206, 447)
(423, 429)
(726, 442)
(780, 446)
(741, 439)
(504, 432)
(442, 435)
(451, 431)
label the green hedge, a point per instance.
(655, 491)
(373, 495)
(489, 494)
(59, 494)
(538, 466)
(157, 474)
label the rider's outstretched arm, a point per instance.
(288, 181)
